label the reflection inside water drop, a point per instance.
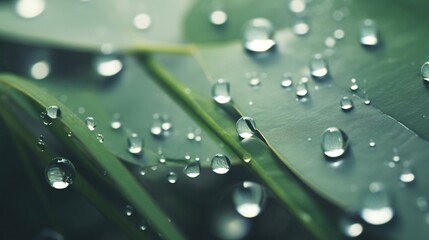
(249, 198)
(377, 209)
(245, 127)
(60, 173)
(259, 35)
(334, 142)
(220, 164)
(220, 91)
(369, 33)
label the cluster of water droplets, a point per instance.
(161, 125)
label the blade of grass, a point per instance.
(122, 178)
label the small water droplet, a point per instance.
(60, 173)
(338, 15)
(346, 103)
(129, 210)
(371, 143)
(301, 27)
(330, 42)
(142, 21)
(30, 8)
(254, 81)
(162, 159)
(41, 144)
(422, 203)
(354, 86)
(40, 70)
(135, 144)
(339, 34)
(301, 89)
(351, 228)
(116, 121)
(249, 198)
(69, 134)
(245, 127)
(424, 70)
(107, 65)
(192, 169)
(366, 101)
(407, 174)
(53, 112)
(258, 35)
(220, 91)
(45, 118)
(247, 157)
(143, 225)
(81, 110)
(100, 138)
(187, 156)
(376, 209)
(166, 124)
(297, 6)
(90, 123)
(142, 171)
(369, 33)
(319, 66)
(220, 164)
(334, 142)
(396, 157)
(286, 81)
(172, 177)
(154, 168)
(218, 17)
(156, 128)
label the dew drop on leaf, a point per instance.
(354, 86)
(346, 104)
(245, 127)
(116, 121)
(258, 35)
(41, 144)
(220, 164)
(172, 177)
(143, 225)
(334, 142)
(369, 33)
(90, 123)
(407, 174)
(376, 208)
(30, 8)
(100, 137)
(142, 21)
(60, 173)
(301, 89)
(218, 17)
(286, 81)
(45, 118)
(339, 34)
(129, 210)
(371, 143)
(301, 27)
(424, 70)
(319, 66)
(192, 169)
(107, 65)
(297, 6)
(249, 199)
(422, 203)
(135, 144)
(350, 228)
(53, 112)
(221, 92)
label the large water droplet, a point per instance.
(258, 35)
(369, 33)
(129, 210)
(192, 169)
(351, 228)
(334, 142)
(220, 91)
(218, 17)
(135, 144)
(60, 173)
(424, 70)
(53, 112)
(107, 65)
(318, 66)
(40, 70)
(245, 127)
(220, 164)
(172, 177)
(248, 198)
(376, 209)
(142, 21)
(30, 8)
(90, 123)
(346, 103)
(301, 27)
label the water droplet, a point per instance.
(338, 15)
(330, 42)
(334, 142)
(318, 66)
(421, 203)
(396, 157)
(424, 70)
(377, 208)
(301, 27)
(107, 65)
(258, 35)
(407, 174)
(254, 81)
(166, 124)
(142, 171)
(366, 101)
(218, 17)
(351, 228)
(339, 34)
(220, 164)
(301, 89)
(354, 86)
(143, 225)
(69, 134)
(41, 144)
(100, 138)
(192, 169)
(248, 198)
(53, 112)
(245, 127)
(371, 143)
(286, 81)
(172, 177)
(135, 144)
(187, 156)
(90, 123)
(247, 157)
(346, 103)
(297, 6)
(369, 33)
(220, 91)
(45, 118)
(129, 210)
(142, 21)
(60, 173)
(30, 8)
(40, 70)
(162, 159)
(116, 121)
